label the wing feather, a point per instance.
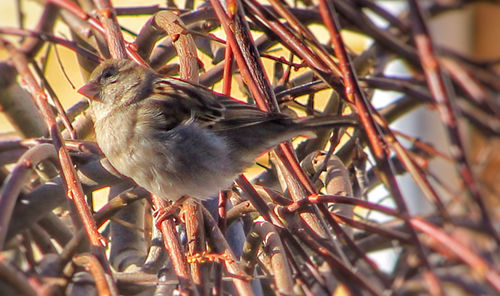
(184, 102)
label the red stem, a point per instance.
(172, 244)
(92, 264)
(73, 186)
(374, 134)
(437, 86)
(465, 254)
(112, 32)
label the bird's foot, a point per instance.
(163, 214)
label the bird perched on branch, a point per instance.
(175, 138)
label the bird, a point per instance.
(177, 139)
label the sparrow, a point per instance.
(178, 139)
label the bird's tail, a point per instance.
(314, 123)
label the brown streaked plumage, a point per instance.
(179, 139)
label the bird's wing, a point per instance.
(184, 102)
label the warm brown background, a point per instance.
(487, 45)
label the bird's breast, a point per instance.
(186, 160)
(115, 136)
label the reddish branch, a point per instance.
(174, 248)
(74, 188)
(301, 225)
(375, 137)
(446, 110)
(105, 286)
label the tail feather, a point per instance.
(254, 141)
(313, 123)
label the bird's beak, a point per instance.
(90, 90)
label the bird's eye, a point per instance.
(108, 74)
